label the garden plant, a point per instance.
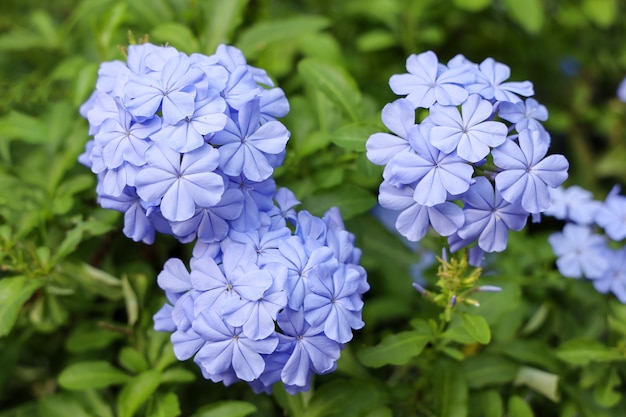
(366, 208)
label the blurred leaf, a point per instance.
(450, 388)
(177, 35)
(490, 403)
(131, 301)
(353, 137)
(582, 352)
(350, 199)
(535, 352)
(226, 409)
(476, 327)
(395, 349)
(165, 406)
(529, 14)
(330, 400)
(472, 5)
(92, 279)
(221, 20)
(89, 336)
(263, 34)
(375, 40)
(335, 83)
(177, 375)
(62, 405)
(91, 374)
(485, 370)
(132, 360)
(601, 12)
(137, 391)
(14, 292)
(21, 126)
(541, 381)
(604, 392)
(519, 408)
(153, 12)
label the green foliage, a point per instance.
(77, 297)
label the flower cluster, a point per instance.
(581, 248)
(475, 167)
(181, 143)
(269, 305)
(187, 145)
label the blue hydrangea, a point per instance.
(479, 146)
(173, 135)
(591, 244)
(273, 304)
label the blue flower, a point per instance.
(580, 252)
(611, 215)
(173, 91)
(257, 317)
(488, 217)
(399, 117)
(614, 279)
(310, 350)
(245, 144)
(188, 134)
(180, 183)
(333, 303)
(428, 82)
(471, 132)
(228, 347)
(137, 225)
(526, 174)
(211, 224)
(525, 114)
(490, 83)
(572, 204)
(415, 219)
(621, 90)
(434, 173)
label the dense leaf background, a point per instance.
(77, 297)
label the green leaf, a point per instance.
(450, 389)
(583, 351)
(330, 399)
(604, 392)
(541, 381)
(477, 327)
(62, 405)
(350, 199)
(395, 349)
(471, 5)
(375, 40)
(89, 336)
(334, 82)
(165, 406)
(178, 375)
(535, 352)
(137, 391)
(488, 369)
(177, 35)
(263, 34)
(131, 359)
(601, 12)
(14, 292)
(226, 409)
(26, 128)
(529, 14)
(490, 403)
(222, 18)
(91, 374)
(519, 408)
(353, 137)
